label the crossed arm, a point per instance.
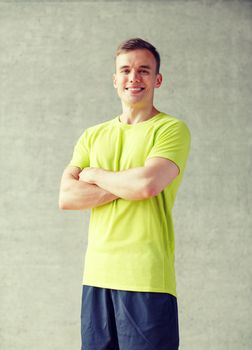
(92, 187)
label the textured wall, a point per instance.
(56, 62)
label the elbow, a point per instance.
(150, 191)
(63, 204)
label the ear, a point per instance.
(114, 81)
(159, 80)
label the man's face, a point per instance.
(135, 78)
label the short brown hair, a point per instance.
(137, 43)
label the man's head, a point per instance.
(137, 72)
(136, 44)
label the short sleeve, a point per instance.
(172, 142)
(80, 157)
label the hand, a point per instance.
(88, 175)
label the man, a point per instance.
(128, 170)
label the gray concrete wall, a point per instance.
(56, 63)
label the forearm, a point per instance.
(77, 195)
(130, 184)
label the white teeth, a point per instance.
(134, 89)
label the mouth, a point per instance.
(134, 89)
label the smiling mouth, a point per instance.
(135, 89)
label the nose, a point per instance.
(134, 76)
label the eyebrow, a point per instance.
(142, 66)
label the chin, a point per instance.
(132, 101)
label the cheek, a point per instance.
(122, 83)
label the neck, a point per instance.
(133, 114)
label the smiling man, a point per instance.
(128, 170)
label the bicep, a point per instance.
(162, 172)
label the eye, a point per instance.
(144, 71)
(125, 71)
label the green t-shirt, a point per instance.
(131, 243)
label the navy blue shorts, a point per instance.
(124, 320)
